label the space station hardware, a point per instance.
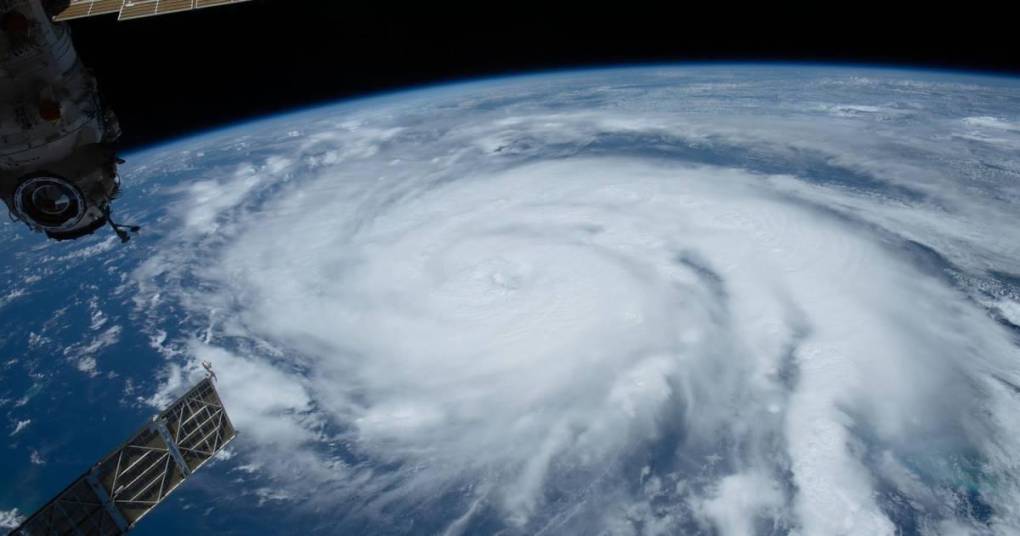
(112, 496)
(133, 9)
(58, 166)
(58, 170)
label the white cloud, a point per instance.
(88, 366)
(264, 401)
(10, 519)
(738, 501)
(11, 296)
(98, 317)
(992, 123)
(85, 252)
(496, 368)
(209, 200)
(19, 426)
(84, 354)
(473, 315)
(1010, 310)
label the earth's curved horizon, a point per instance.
(382, 95)
(714, 299)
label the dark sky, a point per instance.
(177, 74)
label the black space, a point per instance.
(177, 74)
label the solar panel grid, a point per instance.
(77, 9)
(134, 9)
(128, 483)
(171, 6)
(137, 10)
(74, 11)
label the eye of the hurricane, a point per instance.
(501, 274)
(532, 280)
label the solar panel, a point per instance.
(77, 9)
(134, 9)
(128, 483)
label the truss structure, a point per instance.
(127, 484)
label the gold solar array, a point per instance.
(133, 9)
(128, 483)
(77, 9)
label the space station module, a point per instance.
(58, 168)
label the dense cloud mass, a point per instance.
(719, 301)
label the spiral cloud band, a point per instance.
(624, 302)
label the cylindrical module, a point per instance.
(57, 168)
(48, 102)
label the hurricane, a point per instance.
(714, 300)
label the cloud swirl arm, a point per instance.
(696, 302)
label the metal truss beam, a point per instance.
(119, 490)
